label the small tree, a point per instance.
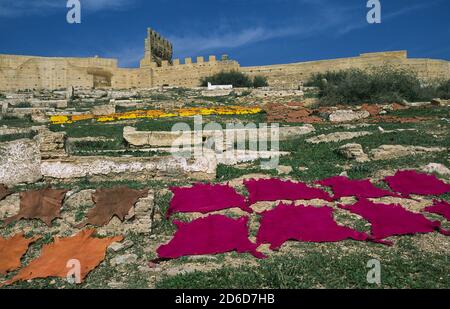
(260, 81)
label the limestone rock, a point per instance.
(143, 215)
(344, 174)
(20, 162)
(348, 115)
(436, 168)
(51, 144)
(39, 116)
(440, 102)
(4, 109)
(120, 246)
(264, 93)
(353, 152)
(217, 93)
(234, 157)
(116, 285)
(70, 92)
(115, 94)
(388, 152)
(124, 259)
(77, 199)
(12, 131)
(336, 137)
(101, 110)
(168, 138)
(74, 202)
(284, 170)
(125, 168)
(10, 206)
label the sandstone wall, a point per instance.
(190, 73)
(26, 72)
(291, 75)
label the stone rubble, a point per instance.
(388, 152)
(353, 152)
(348, 115)
(20, 162)
(336, 137)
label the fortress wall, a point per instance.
(131, 78)
(292, 75)
(27, 72)
(14, 61)
(429, 69)
(190, 73)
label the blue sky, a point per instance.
(254, 32)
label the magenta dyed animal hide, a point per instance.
(343, 187)
(204, 198)
(302, 223)
(392, 219)
(441, 208)
(276, 190)
(211, 235)
(411, 182)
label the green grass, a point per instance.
(11, 121)
(428, 111)
(94, 146)
(23, 105)
(328, 266)
(13, 137)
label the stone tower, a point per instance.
(157, 49)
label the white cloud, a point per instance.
(193, 43)
(14, 8)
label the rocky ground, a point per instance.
(360, 142)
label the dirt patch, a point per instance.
(374, 110)
(292, 112)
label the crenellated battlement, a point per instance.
(189, 61)
(189, 71)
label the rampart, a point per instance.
(157, 69)
(291, 75)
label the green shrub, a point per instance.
(23, 105)
(246, 93)
(385, 84)
(235, 78)
(443, 90)
(260, 81)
